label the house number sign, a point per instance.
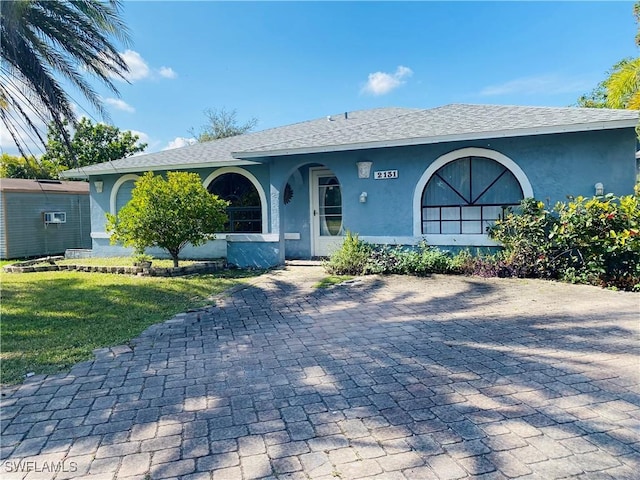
(385, 174)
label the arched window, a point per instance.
(124, 194)
(121, 192)
(245, 213)
(467, 195)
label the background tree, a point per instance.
(12, 166)
(222, 123)
(636, 14)
(168, 214)
(621, 87)
(89, 144)
(597, 98)
(44, 41)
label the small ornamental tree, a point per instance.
(168, 214)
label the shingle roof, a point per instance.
(452, 122)
(374, 129)
(49, 186)
(219, 152)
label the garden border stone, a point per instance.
(31, 266)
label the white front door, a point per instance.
(326, 212)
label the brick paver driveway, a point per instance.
(390, 378)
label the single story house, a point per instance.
(43, 217)
(392, 175)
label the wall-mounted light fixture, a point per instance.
(363, 197)
(99, 184)
(599, 187)
(364, 169)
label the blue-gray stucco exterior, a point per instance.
(555, 165)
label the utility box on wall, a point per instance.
(55, 217)
(43, 217)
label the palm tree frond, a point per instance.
(634, 101)
(623, 84)
(42, 40)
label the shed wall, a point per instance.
(3, 234)
(24, 233)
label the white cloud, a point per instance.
(119, 104)
(28, 141)
(143, 137)
(548, 84)
(179, 142)
(381, 83)
(167, 72)
(138, 68)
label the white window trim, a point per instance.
(116, 186)
(253, 180)
(470, 240)
(434, 240)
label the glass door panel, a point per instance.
(330, 208)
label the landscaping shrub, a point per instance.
(357, 257)
(425, 260)
(351, 258)
(587, 240)
(486, 265)
(524, 235)
(598, 240)
(386, 260)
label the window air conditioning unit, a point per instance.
(55, 217)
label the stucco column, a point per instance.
(277, 220)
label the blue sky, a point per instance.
(293, 61)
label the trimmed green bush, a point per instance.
(385, 259)
(357, 257)
(426, 260)
(587, 240)
(351, 258)
(598, 240)
(524, 235)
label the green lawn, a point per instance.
(332, 280)
(52, 320)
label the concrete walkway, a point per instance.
(389, 378)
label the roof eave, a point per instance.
(522, 132)
(53, 192)
(111, 170)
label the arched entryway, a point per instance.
(311, 211)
